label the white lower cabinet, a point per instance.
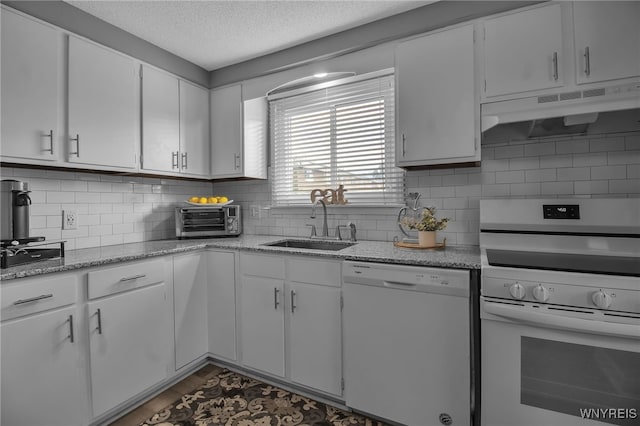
(315, 337)
(290, 318)
(42, 367)
(129, 331)
(190, 307)
(221, 295)
(262, 324)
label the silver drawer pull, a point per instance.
(33, 299)
(135, 277)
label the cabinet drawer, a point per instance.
(262, 266)
(315, 272)
(30, 295)
(124, 277)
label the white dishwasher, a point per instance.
(408, 343)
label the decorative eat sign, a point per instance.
(330, 196)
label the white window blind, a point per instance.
(341, 135)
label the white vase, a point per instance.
(427, 238)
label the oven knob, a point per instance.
(540, 293)
(517, 291)
(601, 299)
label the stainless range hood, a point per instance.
(566, 112)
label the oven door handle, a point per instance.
(631, 331)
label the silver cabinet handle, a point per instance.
(71, 338)
(174, 160)
(50, 136)
(99, 314)
(33, 299)
(134, 277)
(184, 161)
(587, 62)
(293, 301)
(403, 145)
(276, 303)
(236, 158)
(555, 66)
(77, 140)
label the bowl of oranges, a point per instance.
(208, 201)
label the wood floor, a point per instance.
(167, 397)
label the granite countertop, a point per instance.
(461, 257)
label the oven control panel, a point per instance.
(622, 300)
(561, 211)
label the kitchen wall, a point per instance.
(111, 209)
(596, 165)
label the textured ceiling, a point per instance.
(214, 34)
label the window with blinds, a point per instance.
(340, 135)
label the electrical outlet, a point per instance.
(255, 211)
(69, 219)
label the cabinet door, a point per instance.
(160, 121)
(194, 130)
(315, 337)
(435, 92)
(31, 84)
(103, 110)
(42, 373)
(129, 345)
(523, 51)
(262, 324)
(190, 307)
(222, 303)
(607, 40)
(226, 132)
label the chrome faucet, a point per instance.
(325, 226)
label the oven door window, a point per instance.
(206, 220)
(581, 380)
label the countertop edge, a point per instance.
(461, 257)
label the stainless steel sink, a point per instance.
(311, 244)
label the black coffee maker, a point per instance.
(15, 204)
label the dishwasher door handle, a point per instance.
(398, 284)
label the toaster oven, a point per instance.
(209, 221)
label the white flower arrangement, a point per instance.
(426, 222)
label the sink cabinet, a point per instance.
(290, 323)
(42, 364)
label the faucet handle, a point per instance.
(352, 228)
(338, 235)
(313, 229)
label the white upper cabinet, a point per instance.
(175, 124)
(436, 107)
(103, 107)
(160, 121)
(238, 134)
(31, 89)
(607, 40)
(523, 51)
(194, 129)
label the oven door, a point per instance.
(541, 369)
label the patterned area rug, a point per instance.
(231, 399)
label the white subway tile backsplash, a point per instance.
(608, 172)
(606, 144)
(574, 173)
(121, 209)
